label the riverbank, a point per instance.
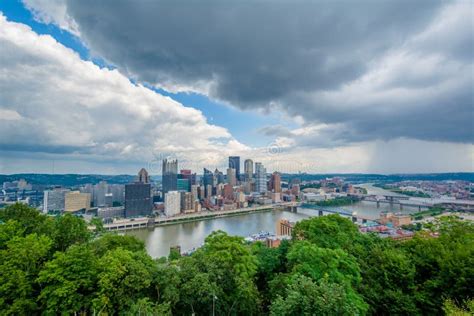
(140, 223)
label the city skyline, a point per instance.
(76, 99)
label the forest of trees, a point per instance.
(56, 265)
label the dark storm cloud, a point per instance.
(309, 58)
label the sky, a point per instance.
(108, 87)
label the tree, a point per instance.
(69, 281)
(229, 266)
(331, 231)
(111, 241)
(28, 217)
(388, 284)
(69, 230)
(20, 263)
(316, 262)
(305, 296)
(124, 277)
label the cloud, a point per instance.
(53, 102)
(373, 70)
(52, 11)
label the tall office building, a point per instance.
(275, 182)
(218, 177)
(234, 163)
(143, 176)
(76, 201)
(169, 175)
(188, 175)
(54, 200)
(183, 185)
(248, 169)
(172, 203)
(260, 178)
(231, 176)
(207, 181)
(138, 201)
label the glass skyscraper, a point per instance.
(234, 163)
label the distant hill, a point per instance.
(78, 179)
(67, 179)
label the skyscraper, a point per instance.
(169, 175)
(275, 182)
(231, 176)
(207, 181)
(248, 169)
(138, 201)
(234, 163)
(260, 178)
(143, 176)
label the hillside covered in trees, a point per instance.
(55, 265)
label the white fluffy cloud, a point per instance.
(54, 102)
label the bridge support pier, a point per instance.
(320, 213)
(419, 208)
(378, 204)
(401, 206)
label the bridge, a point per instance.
(353, 215)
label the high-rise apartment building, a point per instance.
(234, 163)
(187, 202)
(169, 175)
(260, 178)
(172, 203)
(248, 169)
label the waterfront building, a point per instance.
(54, 199)
(76, 201)
(187, 204)
(111, 212)
(284, 227)
(169, 175)
(260, 178)
(194, 191)
(138, 201)
(234, 163)
(172, 203)
(231, 176)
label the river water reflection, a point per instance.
(158, 240)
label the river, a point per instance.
(158, 240)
